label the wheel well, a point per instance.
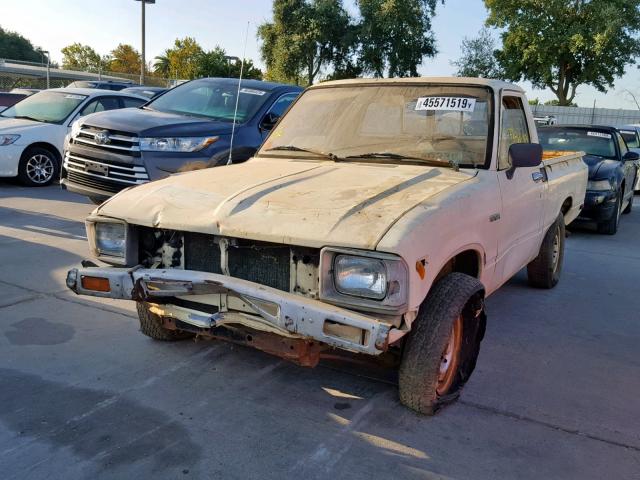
(467, 262)
(46, 146)
(566, 206)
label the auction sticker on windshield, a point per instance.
(452, 104)
(252, 91)
(599, 134)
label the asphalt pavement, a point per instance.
(84, 395)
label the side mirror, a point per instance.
(269, 121)
(631, 156)
(524, 155)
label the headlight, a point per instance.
(599, 185)
(110, 239)
(75, 128)
(360, 276)
(372, 281)
(176, 144)
(8, 139)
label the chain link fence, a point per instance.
(588, 116)
(20, 74)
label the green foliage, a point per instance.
(15, 47)
(82, 57)
(556, 103)
(562, 44)
(395, 35)
(478, 57)
(184, 58)
(216, 63)
(304, 37)
(124, 59)
(534, 101)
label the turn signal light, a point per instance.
(97, 284)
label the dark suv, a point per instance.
(187, 127)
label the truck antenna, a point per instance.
(235, 112)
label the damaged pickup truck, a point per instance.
(375, 219)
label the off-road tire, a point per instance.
(453, 296)
(545, 270)
(40, 155)
(151, 326)
(610, 226)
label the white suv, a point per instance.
(32, 131)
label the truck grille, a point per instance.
(264, 263)
(114, 141)
(103, 174)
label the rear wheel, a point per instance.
(545, 270)
(38, 167)
(442, 348)
(610, 225)
(151, 326)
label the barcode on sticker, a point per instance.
(252, 91)
(449, 104)
(599, 134)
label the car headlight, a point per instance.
(8, 139)
(110, 239)
(175, 144)
(599, 185)
(367, 280)
(75, 128)
(360, 276)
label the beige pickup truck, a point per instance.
(375, 219)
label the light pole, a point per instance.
(142, 65)
(42, 52)
(228, 58)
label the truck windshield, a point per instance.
(47, 106)
(429, 123)
(212, 100)
(630, 138)
(590, 141)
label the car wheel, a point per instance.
(441, 350)
(38, 167)
(610, 226)
(151, 326)
(544, 271)
(629, 207)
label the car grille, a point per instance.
(264, 263)
(114, 141)
(103, 174)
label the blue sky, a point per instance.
(52, 24)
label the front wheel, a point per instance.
(38, 167)
(610, 225)
(442, 348)
(151, 326)
(544, 271)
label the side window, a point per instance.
(128, 102)
(513, 129)
(623, 145)
(100, 104)
(282, 103)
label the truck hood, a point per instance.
(600, 168)
(307, 203)
(144, 122)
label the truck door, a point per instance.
(522, 195)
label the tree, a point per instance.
(162, 66)
(556, 103)
(396, 35)
(125, 59)
(14, 46)
(184, 58)
(304, 37)
(216, 63)
(478, 57)
(81, 57)
(562, 44)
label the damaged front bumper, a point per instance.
(271, 310)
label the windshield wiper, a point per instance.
(397, 156)
(27, 117)
(293, 148)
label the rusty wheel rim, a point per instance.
(450, 358)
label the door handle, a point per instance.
(537, 177)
